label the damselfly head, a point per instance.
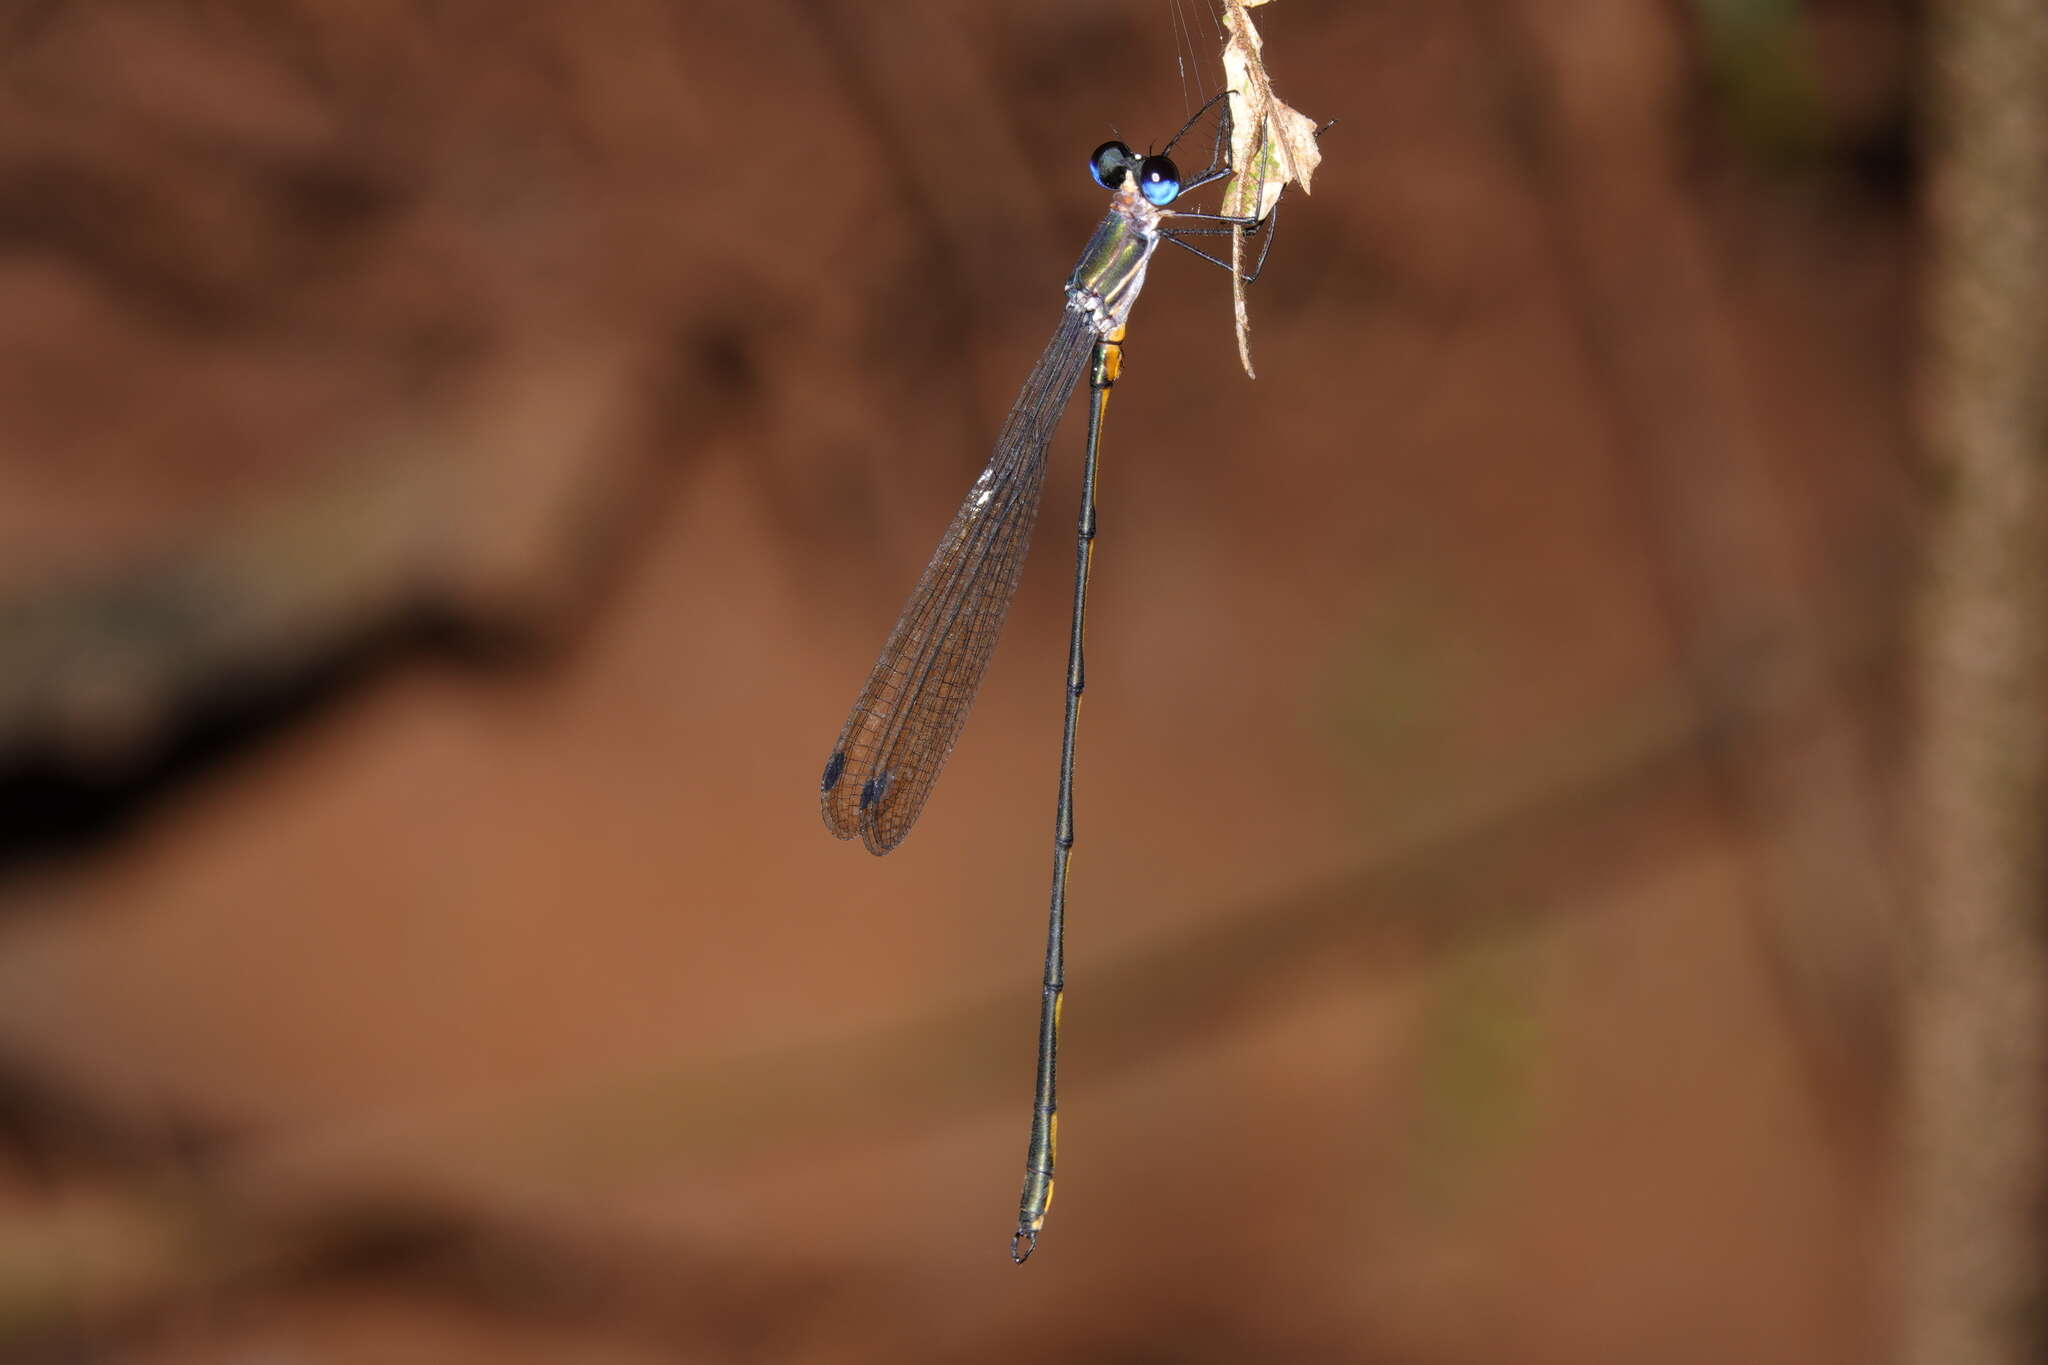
(1158, 179)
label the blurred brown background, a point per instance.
(457, 462)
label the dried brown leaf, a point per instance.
(1272, 145)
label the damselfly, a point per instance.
(918, 695)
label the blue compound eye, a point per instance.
(1158, 180)
(1109, 165)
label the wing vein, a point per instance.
(910, 713)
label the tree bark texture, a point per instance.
(1975, 1101)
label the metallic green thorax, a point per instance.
(1112, 270)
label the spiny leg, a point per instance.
(1245, 226)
